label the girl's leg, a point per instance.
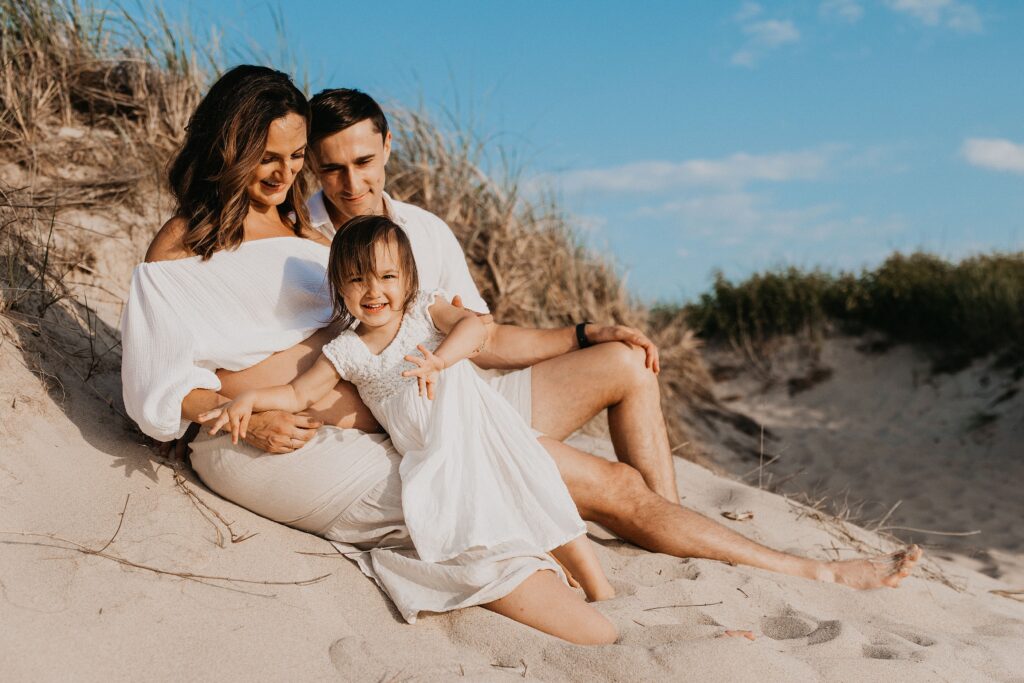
(546, 604)
(579, 558)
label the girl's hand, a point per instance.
(633, 337)
(428, 367)
(234, 413)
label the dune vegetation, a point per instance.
(957, 310)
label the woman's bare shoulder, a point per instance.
(315, 235)
(169, 244)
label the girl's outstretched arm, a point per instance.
(465, 332)
(304, 391)
(465, 336)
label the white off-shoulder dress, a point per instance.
(184, 319)
(474, 476)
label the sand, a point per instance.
(69, 466)
(883, 435)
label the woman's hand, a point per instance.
(235, 413)
(278, 432)
(599, 334)
(428, 367)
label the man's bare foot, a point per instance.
(874, 572)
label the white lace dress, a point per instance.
(473, 475)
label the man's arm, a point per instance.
(509, 347)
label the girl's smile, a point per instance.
(377, 299)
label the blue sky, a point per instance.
(693, 136)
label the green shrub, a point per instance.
(968, 309)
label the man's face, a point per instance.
(350, 165)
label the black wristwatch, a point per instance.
(581, 335)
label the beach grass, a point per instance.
(958, 310)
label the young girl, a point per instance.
(473, 473)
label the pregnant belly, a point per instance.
(340, 408)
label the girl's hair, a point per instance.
(224, 142)
(353, 254)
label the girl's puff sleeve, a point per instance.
(424, 300)
(158, 363)
(339, 352)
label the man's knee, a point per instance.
(627, 364)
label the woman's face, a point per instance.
(281, 161)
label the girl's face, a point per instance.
(377, 299)
(281, 161)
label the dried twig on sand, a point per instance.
(208, 579)
(206, 510)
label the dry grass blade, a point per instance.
(85, 550)
(1013, 595)
(703, 604)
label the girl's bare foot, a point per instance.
(874, 572)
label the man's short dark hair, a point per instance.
(336, 109)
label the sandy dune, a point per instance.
(68, 467)
(876, 430)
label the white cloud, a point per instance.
(735, 170)
(730, 219)
(849, 11)
(748, 11)
(996, 154)
(772, 32)
(959, 16)
(762, 35)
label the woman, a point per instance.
(238, 275)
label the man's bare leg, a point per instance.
(569, 390)
(616, 496)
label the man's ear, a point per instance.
(387, 147)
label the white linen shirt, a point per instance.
(440, 262)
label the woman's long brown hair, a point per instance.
(225, 140)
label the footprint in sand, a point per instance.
(888, 647)
(791, 625)
(826, 631)
(916, 638)
(350, 657)
(882, 652)
(786, 627)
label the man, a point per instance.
(567, 379)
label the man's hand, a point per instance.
(486, 318)
(599, 334)
(277, 432)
